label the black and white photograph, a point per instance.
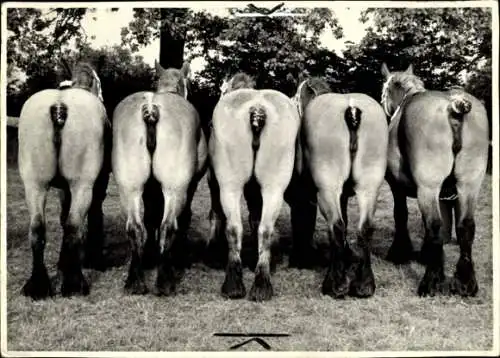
(191, 178)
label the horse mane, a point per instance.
(240, 80)
(318, 85)
(408, 82)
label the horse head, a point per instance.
(84, 76)
(239, 80)
(397, 86)
(307, 90)
(173, 80)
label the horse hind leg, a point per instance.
(38, 285)
(216, 252)
(70, 262)
(428, 200)
(337, 280)
(401, 250)
(180, 249)
(93, 252)
(136, 232)
(233, 286)
(253, 198)
(272, 199)
(154, 206)
(303, 211)
(363, 285)
(170, 230)
(464, 281)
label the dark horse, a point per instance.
(344, 144)
(159, 155)
(251, 150)
(63, 139)
(438, 151)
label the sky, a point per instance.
(106, 26)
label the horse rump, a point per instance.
(150, 115)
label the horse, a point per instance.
(344, 143)
(54, 153)
(251, 151)
(159, 156)
(438, 151)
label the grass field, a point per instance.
(395, 318)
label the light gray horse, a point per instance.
(157, 139)
(62, 144)
(252, 150)
(344, 141)
(438, 149)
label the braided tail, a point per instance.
(352, 117)
(58, 115)
(459, 106)
(258, 117)
(150, 115)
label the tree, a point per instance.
(445, 45)
(274, 50)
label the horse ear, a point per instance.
(158, 67)
(385, 70)
(409, 70)
(186, 69)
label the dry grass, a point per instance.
(394, 319)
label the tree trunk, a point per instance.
(171, 38)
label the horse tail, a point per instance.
(352, 117)
(150, 115)
(58, 115)
(458, 107)
(258, 116)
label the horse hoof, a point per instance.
(431, 284)
(335, 289)
(262, 289)
(165, 289)
(136, 287)
(464, 289)
(233, 286)
(464, 281)
(165, 282)
(364, 286)
(74, 284)
(38, 286)
(400, 252)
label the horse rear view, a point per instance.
(345, 153)
(61, 144)
(438, 151)
(157, 139)
(252, 149)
